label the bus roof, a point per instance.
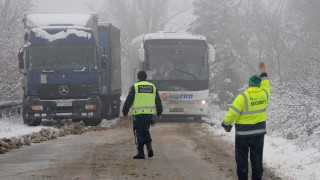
(167, 35)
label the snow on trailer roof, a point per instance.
(33, 20)
(167, 35)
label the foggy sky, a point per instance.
(64, 5)
(179, 23)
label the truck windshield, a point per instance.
(62, 57)
(177, 59)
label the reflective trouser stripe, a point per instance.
(258, 131)
(144, 107)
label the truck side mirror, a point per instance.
(212, 54)
(141, 55)
(104, 61)
(20, 58)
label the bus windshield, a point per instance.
(62, 58)
(177, 59)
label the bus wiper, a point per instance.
(185, 72)
(87, 58)
(190, 74)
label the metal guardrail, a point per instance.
(10, 108)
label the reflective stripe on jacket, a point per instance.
(248, 110)
(144, 100)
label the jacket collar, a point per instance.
(254, 89)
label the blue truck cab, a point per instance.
(62, 75)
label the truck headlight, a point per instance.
(37, 108)
(203, 102)
(91, 106)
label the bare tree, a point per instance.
(136, 17)
(11, 32)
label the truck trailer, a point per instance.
(109, 51)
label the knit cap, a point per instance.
(142, 75)
(255, 81)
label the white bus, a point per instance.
(178, 64)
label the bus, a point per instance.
(178, 64)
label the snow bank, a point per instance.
(14, 134)
(13, 127)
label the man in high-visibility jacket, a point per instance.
(248, 111)
(145, 100)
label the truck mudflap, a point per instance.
(36, 108)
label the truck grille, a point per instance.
(62, 91)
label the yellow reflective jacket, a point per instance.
(248, 110)
(144, 100)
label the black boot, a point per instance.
(150, 151)
(140, 154)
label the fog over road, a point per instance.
(182, 151)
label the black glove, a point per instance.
(226, 128)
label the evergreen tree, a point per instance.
(216, 22)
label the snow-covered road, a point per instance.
(289, 160)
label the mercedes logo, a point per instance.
(63, 90)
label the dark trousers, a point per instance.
(141, 125)
(254, 144)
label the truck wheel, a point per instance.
(109, 110)
(92, 122)
(76, 119)
(24, 113)
(197, 118)
(106, 110)
(116, 111)
(24, 116)
(33, 122)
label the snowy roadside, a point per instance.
(287, 159)
(14, 127)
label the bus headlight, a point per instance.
(203, 102)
